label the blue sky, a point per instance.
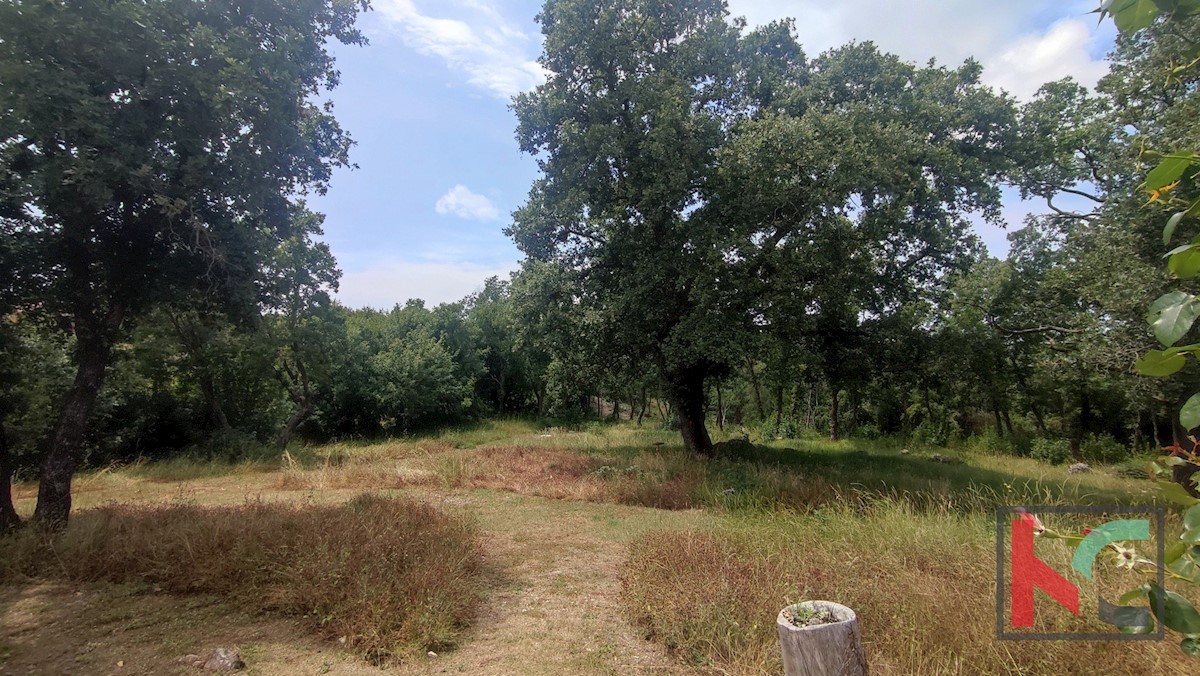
(439, 171)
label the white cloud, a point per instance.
(385, 285)
(461, 202)
(490, 49)
(1013, 39)
(1033, 60)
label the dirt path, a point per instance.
(560, 612)
(554, 609)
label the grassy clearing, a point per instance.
(638, 466)
(922, 583)
(903, 535)
(393, 577)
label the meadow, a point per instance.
(511, 547)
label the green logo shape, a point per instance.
(1103, 536)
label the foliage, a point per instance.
(1101, 449)
(1053, 451)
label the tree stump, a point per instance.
(829, 649)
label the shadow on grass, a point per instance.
(808, 474)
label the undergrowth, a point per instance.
(394, 577)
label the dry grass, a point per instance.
(660, 480)
(393, 577)
(922, 584)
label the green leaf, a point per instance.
(1132, 16)
(1189, 415)
(1191, 536)
(1185, 263)
(1172, 226)
(1184, 567)
(1168, 171)
(1190, 646)
(1172, 316)
(1174, 553)
(1173, 492)
(1191, 518)
(1131, 596)
(1178, 613)
(1161, 364)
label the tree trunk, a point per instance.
(9, 519)
(193, 343)
(216, 412)
(1038, 420)
(303, 410)
(855, 410)
(757, 393)
(833, 649)
(999, 421)
(720, 409)
(778, 409)
(1007, 421)
(299, 389)
(645, 404)
(835, 433)
(502, 382)
(686, 392)
(65, 446)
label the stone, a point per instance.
(224, 660)
(1080, 468)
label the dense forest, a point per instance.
(727, 232)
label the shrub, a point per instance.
(929, 433)
(395, 577)
(1101, 449)
(869, 431)
(1053, 451)
(1132, 469)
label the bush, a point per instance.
(929, 433)
(869, 431)
(1018, 443)
(1053, 451)
(1101, 449)
(395, 577)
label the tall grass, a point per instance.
(922, 583)
(394, 577)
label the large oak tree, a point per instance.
(151, 151)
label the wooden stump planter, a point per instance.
(820, 638)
